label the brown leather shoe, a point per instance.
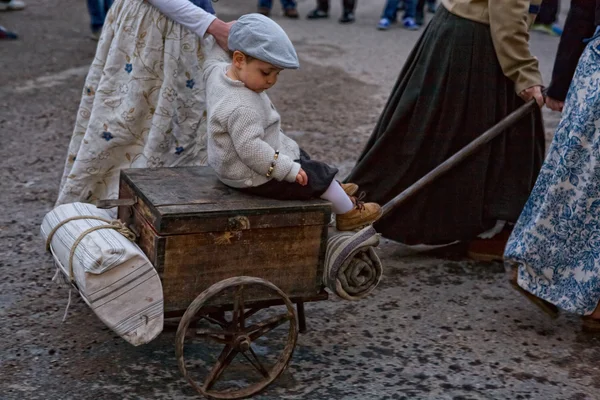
(361, 215)
(489, 249)
(291, 13)
(264, 11)
(350, 188)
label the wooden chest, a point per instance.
(197, 231)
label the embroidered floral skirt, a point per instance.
(556, 242)
(142, 104)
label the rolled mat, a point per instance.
(352, 268)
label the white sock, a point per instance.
(340, 202)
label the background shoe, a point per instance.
(410, 24)
(291, 13)
(548, 29)
(384, 24)
(95, 35)
(6, 34)
(264, 11)
(317, 14)
(12, 5)
(347, 17)
(489, 249)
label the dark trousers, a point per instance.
(548, 12)
(98, 10)
(320, 176)
(323, 5)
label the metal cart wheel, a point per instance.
(237, 337)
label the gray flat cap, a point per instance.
(260, 37)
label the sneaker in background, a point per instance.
(548, 29)
(384, 24)
(347, 17)
(11, 5)
(6, 34)
(317, 14)
(410, 24)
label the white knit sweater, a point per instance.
(244, 129)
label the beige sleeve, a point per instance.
(509, 25)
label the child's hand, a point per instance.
(301, 178)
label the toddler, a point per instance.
(246, 146)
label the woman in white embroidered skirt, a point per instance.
(143, 99)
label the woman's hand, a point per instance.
(534, 92)
(302, 178)
(220, 31)
(554, 105)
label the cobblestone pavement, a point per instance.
(438, 327)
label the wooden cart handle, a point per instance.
(460, 156)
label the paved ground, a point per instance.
(436, 328)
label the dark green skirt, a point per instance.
(450, 91)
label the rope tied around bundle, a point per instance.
(115, 224)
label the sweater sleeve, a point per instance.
(509, 28)
(246, 132)
(578, 26)
(185, 13)
(213, 54)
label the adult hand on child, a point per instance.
(302, 178)
(554, 105)
(534, 92)
(220, 31)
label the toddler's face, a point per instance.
(257, 75)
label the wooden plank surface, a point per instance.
(288, 257)
(192, 199)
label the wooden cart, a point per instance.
(224, 258)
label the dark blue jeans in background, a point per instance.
(285, 4)
(97, 10)
(391, 9)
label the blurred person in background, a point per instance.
(289, 8)
(322, 11)
(547, 18)
(390, 13)
(97, 10)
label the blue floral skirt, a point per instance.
(556, 241)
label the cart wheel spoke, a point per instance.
(251, 312)
(257, 330)
(256, 363)
(222, 337)
(225, 358)
(238, 308)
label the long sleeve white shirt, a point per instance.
(185, 13)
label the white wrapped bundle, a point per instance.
(112, 274)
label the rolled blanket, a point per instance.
(352, 268)
(111, 273)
